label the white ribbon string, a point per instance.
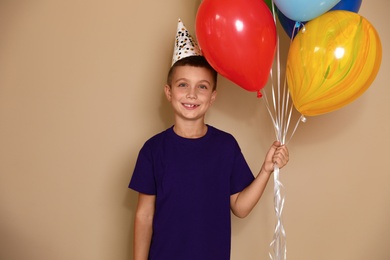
(280, 112)
(279, 242)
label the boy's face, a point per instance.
(191, 92)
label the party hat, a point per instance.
(185, 45)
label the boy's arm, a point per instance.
(143, 226)
(243, 202)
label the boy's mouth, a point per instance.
(190, 105)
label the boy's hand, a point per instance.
(277, 154)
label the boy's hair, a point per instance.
(195, 61)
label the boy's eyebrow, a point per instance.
(180, 79)
(205, 80)
(185, 79)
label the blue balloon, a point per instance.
(348, 5)
(304, 10)
(288, 24)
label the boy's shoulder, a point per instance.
(222, 137)
(220, 132)
(159, 136)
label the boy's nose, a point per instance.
(191, 94)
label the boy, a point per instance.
(190, 176)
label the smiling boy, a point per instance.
(192, 175)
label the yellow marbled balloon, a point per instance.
(332, 62)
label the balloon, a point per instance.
(269, 4)
(332, 62)
(288, 24)
(238, 39)
(304, 10)
(348, 5)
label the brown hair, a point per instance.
(195, 61)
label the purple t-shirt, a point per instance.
(192, 180)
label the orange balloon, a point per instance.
(332, 62)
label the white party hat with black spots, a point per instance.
(185, 45)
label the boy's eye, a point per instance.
(182, 85)
(202, 86)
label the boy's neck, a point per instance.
(190, 130)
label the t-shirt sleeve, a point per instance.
(143, 179)
(241, 175)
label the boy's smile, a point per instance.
(190, 106)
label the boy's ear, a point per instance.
(167, 90)
(213, 96)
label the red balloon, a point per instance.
(238, 39)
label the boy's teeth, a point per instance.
(189, 105)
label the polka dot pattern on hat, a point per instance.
(185, 45)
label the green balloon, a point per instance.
(269, 3)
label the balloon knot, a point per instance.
(259, 95)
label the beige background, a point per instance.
(81, 90)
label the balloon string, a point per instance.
(280, 112)
(301, 119)
(279, 240)
(282, 109)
